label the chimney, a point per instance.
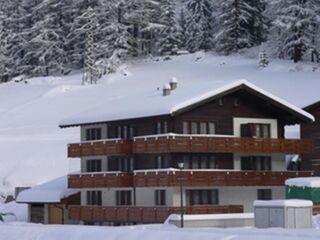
(166, 90)
(173, 83)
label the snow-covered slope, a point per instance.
(34, 149)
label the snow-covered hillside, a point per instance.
(34, 149)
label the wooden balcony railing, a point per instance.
(190, 178)
(215, 178)
(100, 180)
(142, 214)
(96, 148)
(180, 143)
(187, 143)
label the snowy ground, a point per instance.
(34, 149)
(16, 231)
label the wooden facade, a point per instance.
(311, 161)
(142, 214)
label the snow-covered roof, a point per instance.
(313, 182)
(283, 203)
(50, 192)
(148, 102)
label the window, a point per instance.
(94, 165)
(211, 128)
(196, 127)
(160, 197)
(94, 198)
(185, 127)
(123, 198)
(125, 164)
(220, 101)
(264, 194)
(162, 127)
(161, 162)
(199, 161)
(258, 163)
(202, 197)
(203, 128)
(255, 130)
(235, 102)
(93, 134)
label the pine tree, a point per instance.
(182, 28)
(258, 22)
(295, 22)
(234, 18)
(168, 39)
(199, 24)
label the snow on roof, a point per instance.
(151, 103)
(283, 203)
(50, 192)
(304, 182)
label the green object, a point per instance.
(307, 193)
(5, 214)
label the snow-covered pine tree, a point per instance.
(258, 22)
(233, 18)
(46, 51)
(199, 23)
(168, 40)
(182, 29)
(295, 23)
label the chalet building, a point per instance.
(230, 140)
(311, 130)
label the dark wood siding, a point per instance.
(312, 131)
(222, 115)
(141, 126)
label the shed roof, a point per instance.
(53, 191)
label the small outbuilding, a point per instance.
(48, 203)
(283, 214)
(307, 188)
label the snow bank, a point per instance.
(188, 217)
(50, 192)
(313, 182)
(15, 231)
(283, 203)
(19, 211)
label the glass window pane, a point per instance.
(203, 128)
(185, 127)
(212, 128)
(194, 128)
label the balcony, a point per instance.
(219, 178)
(190, 178)
(142, 214)
(97, 148)
(100, 180)
(175, 143)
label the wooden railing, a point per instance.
(215, 178)
(96, 148)
(180, 143)
(142, 214)
(100, 180)
(196, 178)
